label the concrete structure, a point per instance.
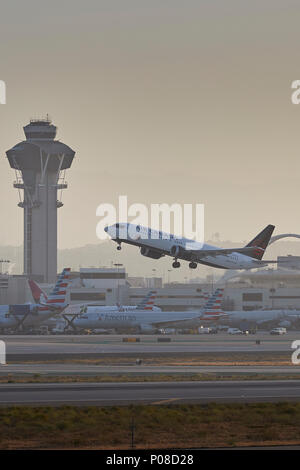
(265, 290)
(14, 290)
(109, 286)
(243, 297)
(40, 163)
(105, 286)
(288, 262)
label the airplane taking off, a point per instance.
(17, 316)
(156, 244)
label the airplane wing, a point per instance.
(247, 250)
(191, 322)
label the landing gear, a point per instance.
(192, 265)
(176, 264)
(119, 247)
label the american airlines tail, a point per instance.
(148, 302)
(58, 294)
(261, 241)
(212, 309)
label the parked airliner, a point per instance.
(17, 316)
(149, 321)
(73, 311)
(259, 317)
(155, 244)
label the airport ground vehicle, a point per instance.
(249, 331)
(204, 330)
(278, 331)
(234, 331)
(43, 330)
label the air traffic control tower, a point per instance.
(40, 163)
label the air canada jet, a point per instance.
(156, 244)
(32, 314)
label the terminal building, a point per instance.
(246, 290)
(14, 289)
(263, 289)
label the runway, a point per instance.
(96, 370)
(19, 347)
(151, 393)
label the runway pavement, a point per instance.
(158, 393)
(96, 370)
(30, 346)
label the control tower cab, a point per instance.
(40, 163)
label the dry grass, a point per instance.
(156, 426)
(133, 377)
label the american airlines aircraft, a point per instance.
(155, 244)
(17, 316)
(149, 321)
(252, 316)
(73, 311)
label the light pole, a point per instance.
(153, 278)
(118, 265)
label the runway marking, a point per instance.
(167, 400)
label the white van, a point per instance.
(204, 330)
(278, 331)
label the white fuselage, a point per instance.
(94, 318)
(9, 320)
(260, 316)
(76, 309)
(164, 243)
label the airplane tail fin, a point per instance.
(148, 302)
(261, 241)
(58, 295)
(37, 293)
(212, 308)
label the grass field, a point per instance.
(166, 426)
(135, 377)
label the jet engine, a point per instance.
(150, 253)
(176, 251)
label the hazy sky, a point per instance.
(164, 101)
